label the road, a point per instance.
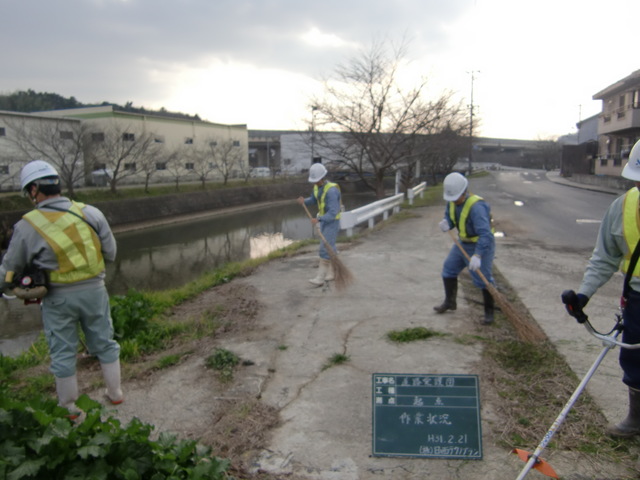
(527, 206)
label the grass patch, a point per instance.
(169, 361)
(336, 359)
(412, 334)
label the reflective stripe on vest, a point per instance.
(320, 201)
(462, 222)
(75, 244)
(631, 227)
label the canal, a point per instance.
(171, 255)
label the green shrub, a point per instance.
(38, 441)
(131, 314)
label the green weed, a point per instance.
(224, 362)
(336, 359)
(412, 334)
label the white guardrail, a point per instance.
(369, 212)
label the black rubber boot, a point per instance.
(630, 426)
(450, 294)
(488, 307)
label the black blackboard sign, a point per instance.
(426, 415)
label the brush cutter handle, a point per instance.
(610, 339)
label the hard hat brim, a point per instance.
(631, 173)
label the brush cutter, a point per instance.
(609, 341)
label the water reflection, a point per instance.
(264, 244)
(171, 255)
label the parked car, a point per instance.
(260, 172)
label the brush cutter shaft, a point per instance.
(611, 341)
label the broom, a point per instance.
(342, 276)
(527, 331)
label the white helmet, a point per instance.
(454, 185)
(36, 170)
(317, 172)
(631, 170)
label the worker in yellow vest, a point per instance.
(326, 195)
(70, 242)
(617, 239)
(471, 216)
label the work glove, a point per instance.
(574, 303)
(474, 263)
(444, 225)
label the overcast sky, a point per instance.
(537, 63)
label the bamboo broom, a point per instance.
(527, 331)
(342, 275)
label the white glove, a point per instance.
(444, 225)
(474, 263)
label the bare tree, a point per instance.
(176, 163)
(59, 142)
(550, 152)
(204, 162)
(378, 119)
(157, 156)
(227, 155)
(118, 149)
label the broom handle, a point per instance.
(326, 244)
(464, 252)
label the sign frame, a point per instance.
(426, 416)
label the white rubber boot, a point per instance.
(67, 391)
(111, 375)
(319, 279)
(330, 275)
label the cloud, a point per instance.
(259, 61)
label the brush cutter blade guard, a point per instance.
(541, 465)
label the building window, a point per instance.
(236, 143)
(212, 165)
(130, 166)
(128, 137)
(99, 166)
(161, 166)
(617, 160)
(97, 137)
(3, 132)
(4, 169)
(189, 166)
(66, 135)
(603, 162)
(621, 101)
(636, 99)
(188, 141)
(213, 144)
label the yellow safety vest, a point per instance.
(631, 227)
(320, 201)
(75, 244)
(462, 221)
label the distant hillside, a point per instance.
(30, 101)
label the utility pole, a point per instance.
(313, 133)
(473, 72)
